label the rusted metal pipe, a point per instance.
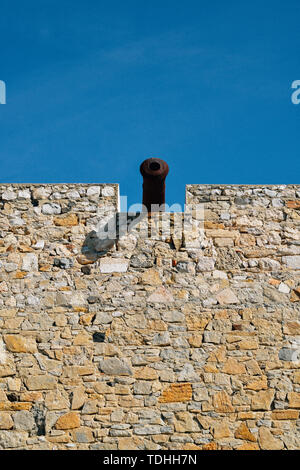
(154, 172)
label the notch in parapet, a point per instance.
(159, 224)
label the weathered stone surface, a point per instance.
(41, 192)
(93, 191)
(12, 440)
(161, 339)
(221, 430)
(145, 373)
(177, 393)
(293, 204)
(142, 388)
(90, 259)
(205, 264)
(161, 295)
(233, 367)
(292, 328)
(292, 262)
(51, 209)
(220, 233)
(30, 262)
(175, 341)
(66, 220)
(9, 195)
(294, 399)
(24, 420)
(41, 382)
(267, 441)
(14, 406)
(108, 191)
(20, 344)
(227, 296)
(83, 435)
(248, 446)
(243, 432)
(5, 420)
(185, 422)
(212, 337)
(148, 430)
(90, 407)
(260, 383)
(78, 398)
(285, 414)
(102, 318)
(196, 322)
(115, 366)
(68, 421)
(188, 374)
(210, 446)
(262, 400)
(222, 402)
(63, 263)
(130, 443)
(113, 265)
(151, 277)
(56, 401)
(287, 354)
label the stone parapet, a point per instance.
(171, 341)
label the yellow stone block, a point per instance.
(285, 414)
(68, 421)
(178, 392)
(262, 400)
(242, 432)
(233, 367)
(294, 399)
(151, 277)
(67, 220)
(260, 383)
(222, 402)
(20, 344)
(221, 430)
(15, 406)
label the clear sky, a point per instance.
(94, 87)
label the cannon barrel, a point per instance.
(154, 172)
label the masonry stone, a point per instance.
(176, 341)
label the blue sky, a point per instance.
(94, 88)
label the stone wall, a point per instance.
(169, 342)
